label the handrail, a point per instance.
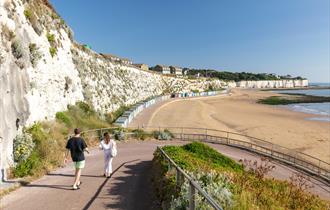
(285, 155)
(192, 184)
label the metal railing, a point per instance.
(294, 158)
(193, 185)
(299, 160)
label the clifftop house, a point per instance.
(162, 69)
(142, 66)
(176, 70)
(114, 58)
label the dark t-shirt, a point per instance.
(76, 145)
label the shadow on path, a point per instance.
(103, 184)
(72, 175)
(132, 190)
(60, 187)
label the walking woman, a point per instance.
(109, 147)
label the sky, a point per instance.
(273, 36)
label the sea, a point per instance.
(321, 109)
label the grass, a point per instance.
(247, 183)
(293, 99)
(112, 117)
(50, 139)
(52, 51)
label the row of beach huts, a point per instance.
(129, 115)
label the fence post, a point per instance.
(181, 133)
(227, 138)
(205, 133)
(101, 133)
(178, 178)
(192, 195)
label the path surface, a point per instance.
(128, 186)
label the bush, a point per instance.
(28, 14)
(29, 166)
(163, 135)
(9, 34)
(51, 38)
(52, 51)
(119, 135)
(17, 49)
(23, 147)
(86, 108)
(140, 134)
(62, 117)
(35, 55)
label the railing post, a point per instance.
(181, 133)
(227, 138)
(178, 178)
(205, 133)
(192, 195)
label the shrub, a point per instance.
(33, 19)
(7, 33)
(51, 38)
(163, 135)
(28, 14)
(23, 147)
(140, 134)
(86, 108)
(215, 184)
(17, 49)
(29, 166)
(62, 117)
(119, 135)
(35, 55)
(52, 51)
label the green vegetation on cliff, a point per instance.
(232, 185)
(49, 139)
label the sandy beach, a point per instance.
(240, 113)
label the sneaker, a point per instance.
(78, 185)
(74, 187)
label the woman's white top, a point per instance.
(107, 147)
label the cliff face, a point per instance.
(42, 70)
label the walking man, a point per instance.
(76, 145)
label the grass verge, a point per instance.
(233, 185)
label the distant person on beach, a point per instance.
(109, 147)
(76, 146)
